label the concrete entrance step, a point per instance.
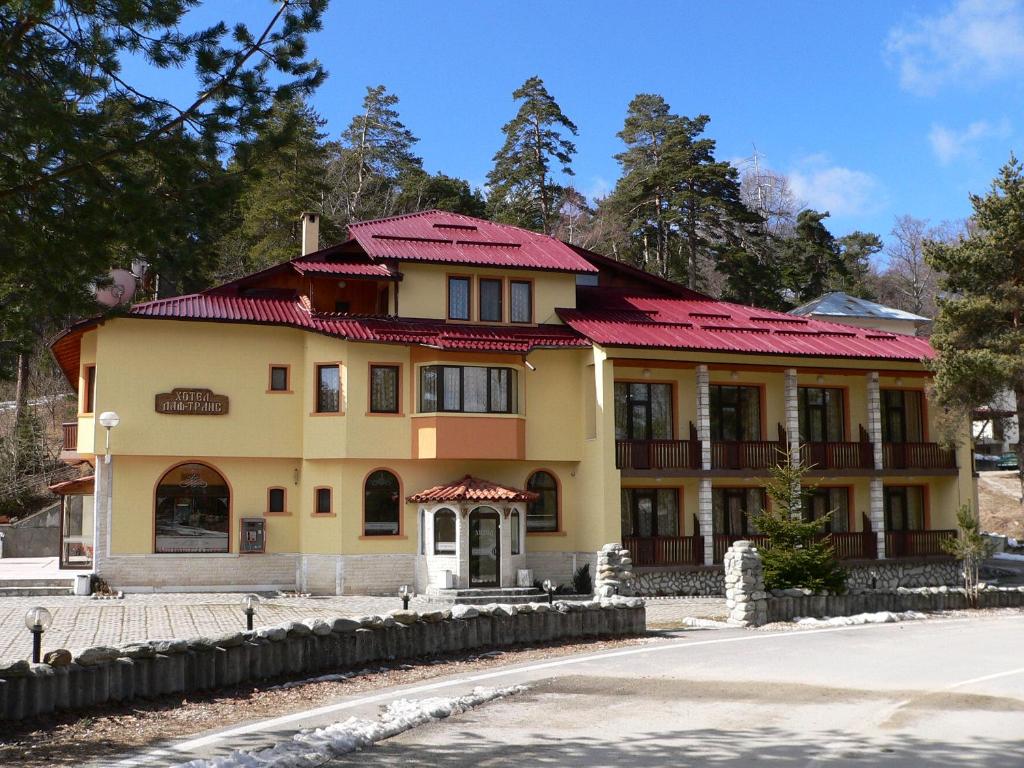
(488, 591)
(68, 583)
(29, 591)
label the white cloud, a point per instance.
(598, 188)
(949, 145)
(841, 191)
(974, 40)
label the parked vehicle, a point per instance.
(985, 461)
(1008, 461)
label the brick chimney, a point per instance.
(310, 232)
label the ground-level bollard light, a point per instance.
(550, 587)
(249, 604)
(38, 620)
(405, 593)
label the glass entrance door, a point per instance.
(484, 547)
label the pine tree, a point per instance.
(979, 332)
(650, 164)
(795, 556)
(287, 176)
(368, 161)
(421, 191)
(521, 188)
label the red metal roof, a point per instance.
(343, 268)
(291, 312)
(471, 489)
(451, 238)
(612, 318)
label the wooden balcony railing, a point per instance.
(665, 550)
(746, 454)
(723, 541)
(657, 454)
(862, 545)
(917, 456)
(69, 432)
(917, 543)
(837, 455)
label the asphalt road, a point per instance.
(939, 692)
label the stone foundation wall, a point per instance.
(892, 574)
(147, 670)
(925, 599)
(201, 572)
(697, 581)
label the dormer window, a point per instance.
(520, 301)
(458, 298)
(490, 300)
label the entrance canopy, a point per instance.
(471, 489)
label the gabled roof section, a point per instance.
(839, 304)
(620, 319)
(471, 489)
(451, 238)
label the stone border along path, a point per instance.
(80, 622)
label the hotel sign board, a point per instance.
(189, 401)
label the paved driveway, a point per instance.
(81, 621)
(939, 692)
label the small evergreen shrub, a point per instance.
(795, 556)
(581, 581)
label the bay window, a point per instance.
(468, 389)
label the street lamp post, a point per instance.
(37, 620)
(104, 479)
(249, 605)
(550, 587)
(405, 593)
(109, 420)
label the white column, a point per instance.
(461, 544)
(704, 416)
(102, 502)
(792, 411)
(877, 514)
(706, 517)
(876, 511)
(704, 513)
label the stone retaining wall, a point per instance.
(903, 599)
(146, 670)
(703, 580)
(696, 581)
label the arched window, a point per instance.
(516, 533)
(542, 515)
(444, 532)
(381, 504)
(193, 510)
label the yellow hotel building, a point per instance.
(441, 401)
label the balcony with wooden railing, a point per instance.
(657, 454)
(648, 551)
(746, 454)
(839, 455)
(929, 456)
(69, 434)
(903, 544)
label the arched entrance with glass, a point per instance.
(472, 534)
(193, 510)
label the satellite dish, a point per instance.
(121, 289)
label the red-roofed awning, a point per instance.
(78, 486)
(471, 489)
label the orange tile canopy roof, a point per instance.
(79, 485)
(471, 488)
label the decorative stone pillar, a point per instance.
(704, 511)
(877, 515)
(876, 512)
(745, 596)
(704, 416)
(792, 414)
(102, 501)
(875, 418)
(614, 572)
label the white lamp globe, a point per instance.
(109, 419)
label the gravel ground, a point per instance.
(67, 740)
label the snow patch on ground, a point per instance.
(311, 748)
(882, 617)
(1007, 556)
(693, 621)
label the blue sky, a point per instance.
(873, 109)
